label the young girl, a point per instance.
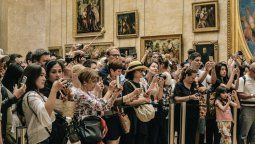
(223, 113)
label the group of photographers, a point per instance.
(120, 85)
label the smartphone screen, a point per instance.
(24, 80)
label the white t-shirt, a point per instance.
(249, 88)
(207, 79)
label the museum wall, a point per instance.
(24, 26)
(3, 25)
(49, 23)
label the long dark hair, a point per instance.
(218, 67)
(130, 75)
(219, 90)
(50, 64)
(32, 72)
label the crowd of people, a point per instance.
(130, 98)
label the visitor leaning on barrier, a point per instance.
(246, 92)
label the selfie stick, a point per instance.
(101, 33)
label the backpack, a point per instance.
(7, 135)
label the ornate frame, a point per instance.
(236, 40)
(161, 37)
(56, 48)
(215, 47)
(216, 28)
(109, 44)
(89, 34)
(136, 25)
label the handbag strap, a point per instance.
(36, 115)
(132, 84)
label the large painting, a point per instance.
(127, 24)
(162, 44)
(247, 15)
(207, 49)
(88, 18)
(205, 16)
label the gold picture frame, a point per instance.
(88, 18)
(207, 49)
(127, 24)
(205, 16)
(57, 50)
(94, 47)
(161, 43)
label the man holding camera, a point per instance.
(246, 94)
(205, 79)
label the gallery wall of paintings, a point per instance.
(129, 24)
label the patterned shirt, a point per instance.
(88, 103)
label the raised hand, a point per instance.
(18, 92)
(112, 85)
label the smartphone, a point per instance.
(24, 80)
(210, 58)
(118, 82)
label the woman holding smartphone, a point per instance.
(54, 71)
(37, 108)
(111, 116)
(139, 130)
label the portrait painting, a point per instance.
(128, 51)
(127, 24)
(205, 16)
(247, 16)
(88, 17)
(208, 50)
(171, 44)
(56, 50)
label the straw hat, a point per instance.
(135, 65)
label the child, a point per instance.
(223, 113)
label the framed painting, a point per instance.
(207, 49)
(205, 16)
(127, 24)
(88, 18)
(56, 50)
(94, 51)
(162, 44)
(247, 13)
(128, 51)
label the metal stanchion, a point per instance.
(171, 124)
(183, 122)
(235, 127)
(21, 134)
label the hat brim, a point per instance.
(137, 68)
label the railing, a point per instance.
(181, 135)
